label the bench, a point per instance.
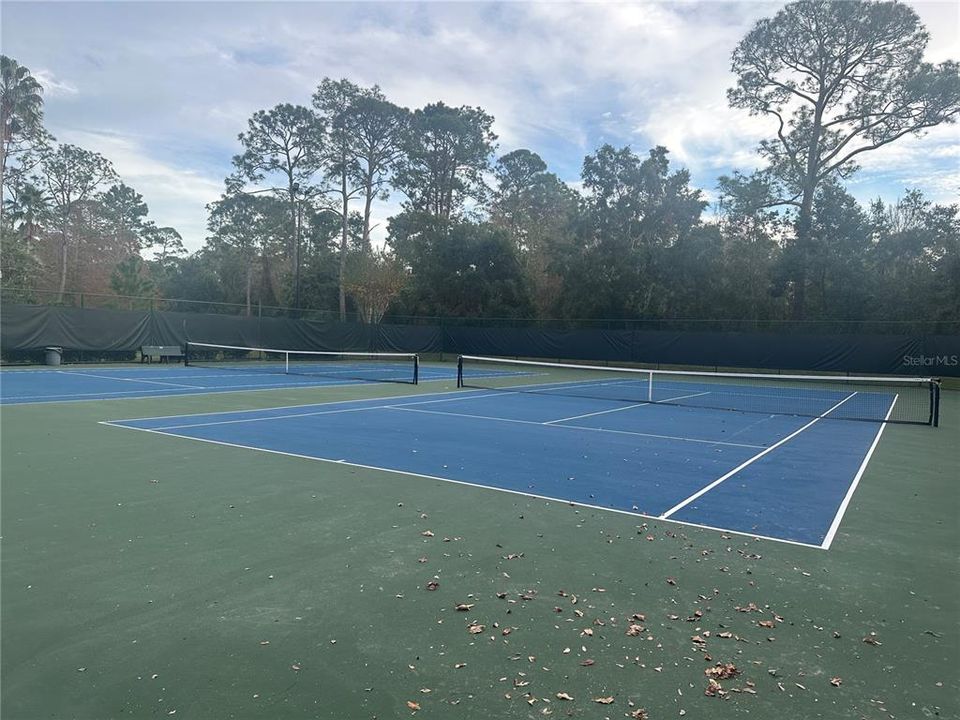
(162, 353)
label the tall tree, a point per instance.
(72, 175)
(750, 255)
(21, 114)
(125, 215)
(915, 259)
(377, 129)
(28, 212)
(458, 267)
(840, 79)
(286, 142)
(446, 155)
(335, 101)
(634, 210)
(246, 235)
(166, 243)
(539, 212)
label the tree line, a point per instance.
(487, 235)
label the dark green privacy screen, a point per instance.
(29, 327)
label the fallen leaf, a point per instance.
(722, 671)
(714, 689)
(427, 533)
(433, 585)
(412, 705)
(476, 628)
(464, 607)
(766, 623)
(563, 696)
(836, 681)
(603, 700)
(588, 662)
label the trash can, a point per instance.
(53, 355)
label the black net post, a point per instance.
(416, 369)
(935, 402)
(460, 371)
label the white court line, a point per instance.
(571, 427)
(296, 415)
(464, 394)
(466, 483)
(133, 380)
(406, 407)
(835, 525)
(629, 407)
(683, 503)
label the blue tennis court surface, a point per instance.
(777, 476)
(93, 383)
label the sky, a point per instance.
(163, 88)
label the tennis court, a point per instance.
(244, 373)
(267, 537)
(777, 476)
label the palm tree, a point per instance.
(27, 210)
(21, 110)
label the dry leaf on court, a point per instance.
(722, 671)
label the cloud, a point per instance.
(176, 82)
(53, 87)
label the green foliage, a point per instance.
(446, 153)
(21, 117)
(19, 265)
(635, 212)
(458, 268)
(130, 279)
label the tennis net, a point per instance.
(372, 367)
(877, 399)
